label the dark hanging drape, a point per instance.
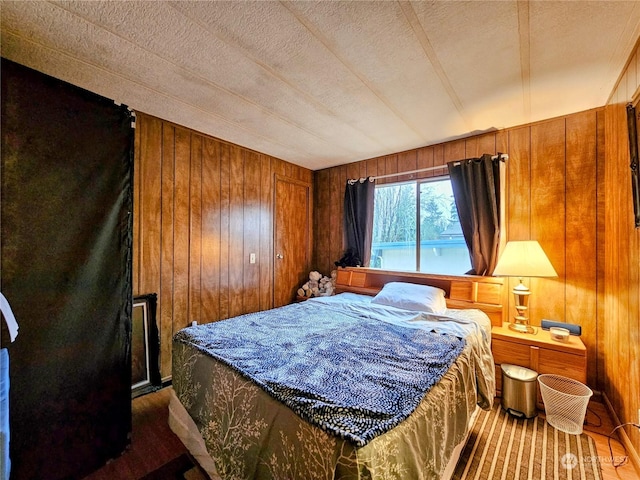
(358, 222)
(476, 187)
(66, 226)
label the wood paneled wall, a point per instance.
(621, 325)
(553, 188)
(201, 207)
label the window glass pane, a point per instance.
(394, 227)
(442, 245)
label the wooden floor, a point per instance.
(154, 444)
(598, 426)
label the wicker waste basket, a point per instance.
(565, 402)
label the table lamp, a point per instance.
(523, 259)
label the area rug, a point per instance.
(180, 468)
(501, 446)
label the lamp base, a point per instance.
(522, 328)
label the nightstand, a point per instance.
(538, 352)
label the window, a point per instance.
(416, 228)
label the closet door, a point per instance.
(292, 238)
(65, 224)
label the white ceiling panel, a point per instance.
(482, 61)
(331, 82)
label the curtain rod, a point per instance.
(501, 156)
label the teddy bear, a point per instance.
(318, 285)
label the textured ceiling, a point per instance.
(325, 83)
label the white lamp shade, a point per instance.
(524, 259)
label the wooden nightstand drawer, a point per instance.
(509, 352)
(565, 364)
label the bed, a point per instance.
(279, 416)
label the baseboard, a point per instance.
(622, 434)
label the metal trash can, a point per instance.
(519, 390)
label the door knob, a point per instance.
(279, 256)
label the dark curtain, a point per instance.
(358, 222)
(66, 226)
(476, 187)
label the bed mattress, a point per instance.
(248, 433)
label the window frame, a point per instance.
(417, 182)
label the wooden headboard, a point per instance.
(464, 291)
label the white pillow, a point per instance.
(411, 296)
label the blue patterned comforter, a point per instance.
(351, 375)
